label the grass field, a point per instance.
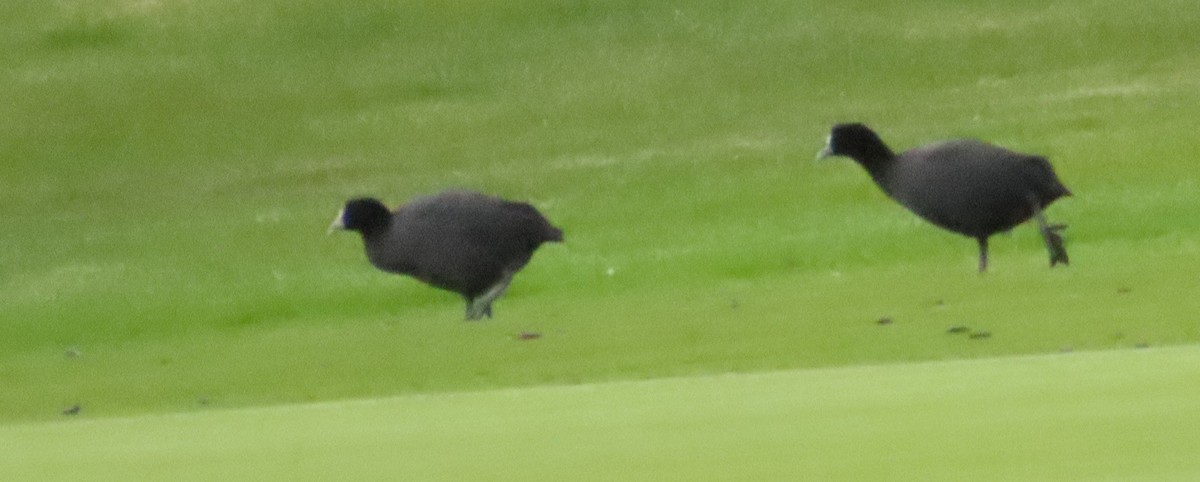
(1072, 417)
(168, 167)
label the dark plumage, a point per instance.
(966, 186)
(465, 242)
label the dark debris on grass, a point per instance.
(980, 335)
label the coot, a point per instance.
(965, 186)
(465, 242)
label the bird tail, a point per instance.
(553, 234)
(535, 222)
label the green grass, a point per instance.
(1126, 415)
(776, 322)
(167, 170)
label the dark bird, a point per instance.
(965, 186)
(465, 242)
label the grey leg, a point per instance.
(1053, 240)
(482, 305)
(983, 248)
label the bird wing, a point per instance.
(465, 241)
(966, 186)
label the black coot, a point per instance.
(965, 186)
(465, 242)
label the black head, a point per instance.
(365, 215)
(858, 142)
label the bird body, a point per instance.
(465, 242)
(973, 194)
(965, 186)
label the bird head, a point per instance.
(361, 214)
(856, 141)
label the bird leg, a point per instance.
(1054, 241)
(983, 248)
(481, 305)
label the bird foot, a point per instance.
(481, 306)
(477, 310)
(1054, 244)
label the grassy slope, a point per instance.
(168, 168)
(1117, 415)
